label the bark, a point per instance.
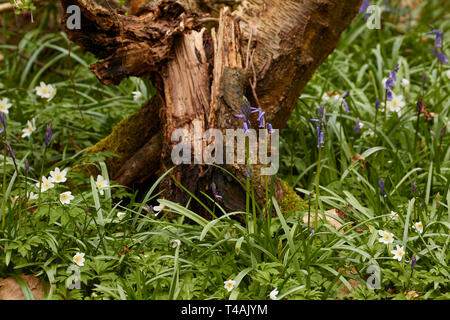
(266, 50)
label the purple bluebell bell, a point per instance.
(248, 172)
(419, 106)
(320, 126)
(261, 118)
(2, 119)
(390, 95)
(10, 150)
(443, 131)
(48, 134)
(413, 262)
(377, 104)
(344, 102)
(320, 136)
(213, 187)
(247, 111)
(269, 126)
(27, 166)
(414, 187)
(381, 184)
(386, 3)
(441, 57)
(365, 4)
(437, 49)
(390, 82)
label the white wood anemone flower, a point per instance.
(405, 83)
(229, 285)
(398, 253)
(101, 184)
(66, 197)
(31, 127)
(396, 104)
(32, 196)
(46, 184)
(121, 215)
(5, 105)
(273, 294)
(419, 226)
(385, 237)
(158, 209)
(46, 91)
(58, 176)
(175, 243)
(79, 259)
(394, 216)
(137, 95)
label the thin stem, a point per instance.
(40, 178)
(4, 188)
(317, 189)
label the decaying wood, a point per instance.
(266, 50)
(129, 45)
(11, 290)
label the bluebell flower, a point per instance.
(381, 184)
(248, 172)
(320, 126)
(344, 102)
(377, 104)
(413, 262)
(247, 111)
(27, 166)
(386, 3)
(2, 119)
(48, 134)
(414, 187)
(365, 4)
(213, 187)
(437, 49)
(10, 150)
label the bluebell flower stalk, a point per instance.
(382, 191)
(48, 138)
(320, 143)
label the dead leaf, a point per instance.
(353, 283)
(424, 110)
(11, 290)
(411, 295)
(330, 220)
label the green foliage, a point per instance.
(135, 257)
